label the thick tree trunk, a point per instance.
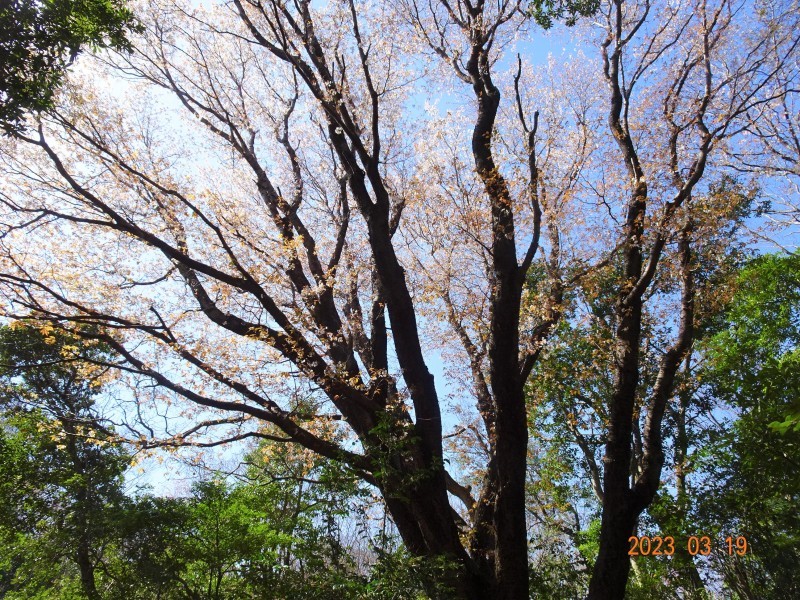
(611, 570)
(509, 514)
(86, 569)
(620, 512)
(416, 519)
(510, 436)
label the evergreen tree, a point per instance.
(60, 474)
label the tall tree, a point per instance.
(570, 384)
(752, 369)
(62, 480)
(292, 257)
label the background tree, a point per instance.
(62, 477)
(570, 383)
(39, 41)
(732, 463)
(272, 535)
(751, 486)
(277, 531)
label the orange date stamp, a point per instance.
(657, 545)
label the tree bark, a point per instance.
(83, 550)
(86, 569)
(611, 570)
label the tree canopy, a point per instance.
(39, 40)
(61, 481)
(283, 218)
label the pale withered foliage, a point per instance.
(278, 212)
